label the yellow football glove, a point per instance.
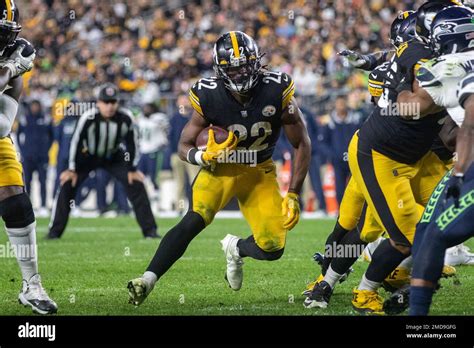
(290, 210)
(213, 149)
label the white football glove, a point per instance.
(18, 64)
(355, 59)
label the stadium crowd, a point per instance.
(154, 50)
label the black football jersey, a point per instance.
(258, 123)
(402, 140)
(377, 79)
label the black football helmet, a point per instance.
(425, 15)
(452, 30)
(403, 28)
(237, 61)
(9, 23)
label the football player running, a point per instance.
(355, 226)
(15, 205)
(253, 104)
(391, 162)
(447, 220)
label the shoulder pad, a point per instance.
(283, 83)
(426, 78)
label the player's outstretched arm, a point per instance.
(189, 134)
(366, 62)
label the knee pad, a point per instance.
(17, 211)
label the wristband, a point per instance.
(194, 156)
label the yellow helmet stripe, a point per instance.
(235, 44)
(9, 10)
(406, 14)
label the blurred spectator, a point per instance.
(153, 129)
(316, 160)
(144, 45)
(35, 136)
(119, 203)
(334, 141)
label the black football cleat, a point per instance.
(398, 301)
(319, 258)
(320, 296)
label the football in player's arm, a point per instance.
(253, 104)
(296, 133)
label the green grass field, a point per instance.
(86, 272)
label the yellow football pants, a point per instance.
(11, 171)
(257, 192)
(395, 192)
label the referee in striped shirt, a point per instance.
(98, 142)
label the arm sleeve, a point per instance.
(374, 60)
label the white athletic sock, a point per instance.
(332, 277)
(23, 241)
(407, 263)
(366, 284)
(150, 277)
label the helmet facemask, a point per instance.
(239, 78)
(8, 33)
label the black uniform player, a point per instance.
(253, 104)
(355, 225)
(391, 163)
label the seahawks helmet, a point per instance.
(403, 28)
(9, 23)
(452, 30)
(237, 61)
(425, 15)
